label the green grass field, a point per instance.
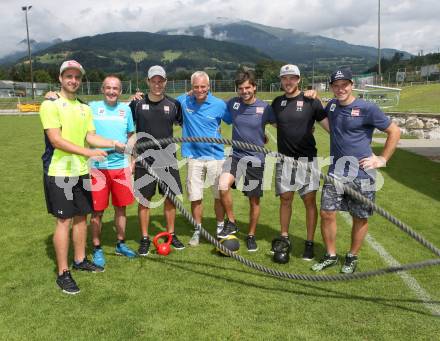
(196, 294)
(419, 99)
(413, 99)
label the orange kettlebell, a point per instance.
(163, 248)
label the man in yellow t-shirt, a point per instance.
(67, 126)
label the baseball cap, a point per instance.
(156, 70)
(72, 64)
(341, 74)
(289, 69)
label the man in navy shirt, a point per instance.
(154, 116)
(249, 116)
(352, 122)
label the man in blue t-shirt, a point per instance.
(202, 116)
(249, 117)
(352, 122)
(113, 120)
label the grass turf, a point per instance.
(197, 294)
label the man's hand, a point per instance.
(119, 147)
(51, 95)
(137, 96)
(373, 162)
(96, 154)
(311, 94)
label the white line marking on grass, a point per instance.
(410, 281)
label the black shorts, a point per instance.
(145, 185)
(67, 197)
(253, 175)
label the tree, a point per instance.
(42, 76)
(19, 73)
(3, 74)
(95, 75)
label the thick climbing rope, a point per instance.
(141, 146)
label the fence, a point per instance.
(9, 89)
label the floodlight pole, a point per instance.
(137, 76)
(379, 71)
(26, 9)
(313, 65)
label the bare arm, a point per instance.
(374, 161)
(58, 142)
(325, 125)
(98, 141)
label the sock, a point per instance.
(97, 247)
(121, 241)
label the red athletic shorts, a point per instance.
(114, 181)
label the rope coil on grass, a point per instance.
(273, 272)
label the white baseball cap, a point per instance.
(156, 70)
(289, 69)
(72, 64)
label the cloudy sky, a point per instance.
(406, 24)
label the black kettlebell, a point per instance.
(281, 248)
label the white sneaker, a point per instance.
(195, 239)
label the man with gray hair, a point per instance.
(202, 116)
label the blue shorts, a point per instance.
(334, 200)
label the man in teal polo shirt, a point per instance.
(113, 120)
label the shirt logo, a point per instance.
(166, 109)
(283, 102)
(236, 106)
(121, 112)
(145, 107)
(355, 112)
(260, 110)
(101, 111)
(299, 105)
(333, 107)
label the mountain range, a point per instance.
(290, 45)
(222, 47)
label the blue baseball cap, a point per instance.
(341, 74)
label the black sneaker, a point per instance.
(251, 243)
(325, 262)
(308, 254)
(144, 247)
(67, 283)
(272, 251)
(350, 264)
(230, 228)
(176, 243)
(86, 265)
